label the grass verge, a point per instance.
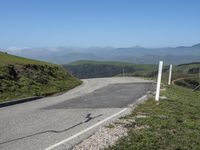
(172, 124)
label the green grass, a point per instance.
(115, 63)
(190, 82)
(91, 69)
(21, 77)
(173, 124)
(182, 71)
(12, 59)
(28, 87)
(185, 67)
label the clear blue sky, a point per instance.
(118, 23)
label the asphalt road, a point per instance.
(42, 123)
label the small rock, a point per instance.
(141, 116)
(163, 97)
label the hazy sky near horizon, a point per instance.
(85, 23)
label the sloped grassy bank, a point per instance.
(95, 69)
(174, 123)
(190, 82)
(21, 77)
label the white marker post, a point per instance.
(123, 72)
(170, 75)
(159, 80)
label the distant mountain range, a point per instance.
(136, 54)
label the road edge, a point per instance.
(106, 136)
(19, 101)
(102, 123)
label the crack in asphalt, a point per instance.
(88, 118)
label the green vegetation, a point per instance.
(189, 73)
(186, 70)
(173, 123)
(92, 69)
(21, 77)
(191, 82)
(12, 59)
(186, 75)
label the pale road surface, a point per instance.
(41, 124)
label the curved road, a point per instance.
(60, 122)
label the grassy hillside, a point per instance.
(12, 59)
(92, 69)
(189, 73)
(191, 68)
(186, 75)
(192, 82)
(21, 77)
(173, 123)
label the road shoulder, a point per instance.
(111, 131)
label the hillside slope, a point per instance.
(94, 69)
(190, 77)
(183, 70)
(186, 75)
(21, 77)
